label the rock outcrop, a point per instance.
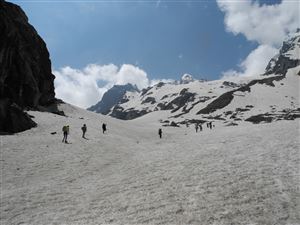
(26, 81)
(288, 56)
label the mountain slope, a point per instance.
(241, 175)
(288, 57)
(230, 100)
(112, 97)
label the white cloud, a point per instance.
(156, 81)
(268, 25)
(255, 63)
(85, 87)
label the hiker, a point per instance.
(160, 132)
(207, 124)
(83, 128)
(210, 125)
(196, 127)
(103, 128)
(200, 127)
(65, 130)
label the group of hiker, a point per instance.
(66, 131)
(209, 125)
(199, 126)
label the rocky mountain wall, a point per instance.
(26, 80)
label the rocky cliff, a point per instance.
(26, 81)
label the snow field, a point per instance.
(229, 175)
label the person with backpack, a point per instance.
(160, 132)
(196, 127)
(103, 128)
(65, 130)
(83, 128)
(200, 127)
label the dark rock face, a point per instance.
(186, 110)
(26, 81)
(145, 91)
(218, 103)
(282, 62)
(119, 113)
(260, 118)
(160, 84)
(184, 98)
(269, 117)
(112, 97)
(25, 70)
(149, 100)
(281, 65)
(15, 120)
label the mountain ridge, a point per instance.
(198, 99)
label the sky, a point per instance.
(96, 44)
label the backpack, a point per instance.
(64, 129)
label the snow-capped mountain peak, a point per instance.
(231, 100)
(186, 78)
(115, 95)
(288, 56)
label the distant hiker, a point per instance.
(103, 128)
(196, 127)
(65, 130)
(83, 128)
(207, 124)
(210, 125)
(200, 126)
(160, 132)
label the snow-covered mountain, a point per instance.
(288, 56)
(113, 97)
(186, 78)
(226, 175)
(271, 96)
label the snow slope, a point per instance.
(228, 175)
(278, 98)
